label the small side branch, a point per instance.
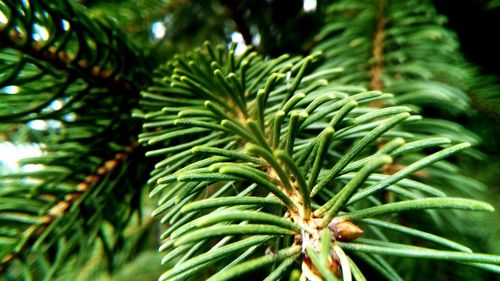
(59, 209)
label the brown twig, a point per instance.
(62, 60)
(62, 207)
(377, 68)
(488, 109)
(236, 15)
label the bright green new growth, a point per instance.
(322, 150)
(285, 181)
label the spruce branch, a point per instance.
(30, 236)
(83, 47)
(299, 167)
(280, 133)
(77, 77)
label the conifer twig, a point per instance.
(62, 207)
(377, 69)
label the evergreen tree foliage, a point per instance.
(160, 150)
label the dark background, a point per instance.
(478, 29)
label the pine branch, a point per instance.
(88, 48)
(79, 78)
(264, 144)
(391, 55)
(59, 209)
(404, 43)
(262, 165)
